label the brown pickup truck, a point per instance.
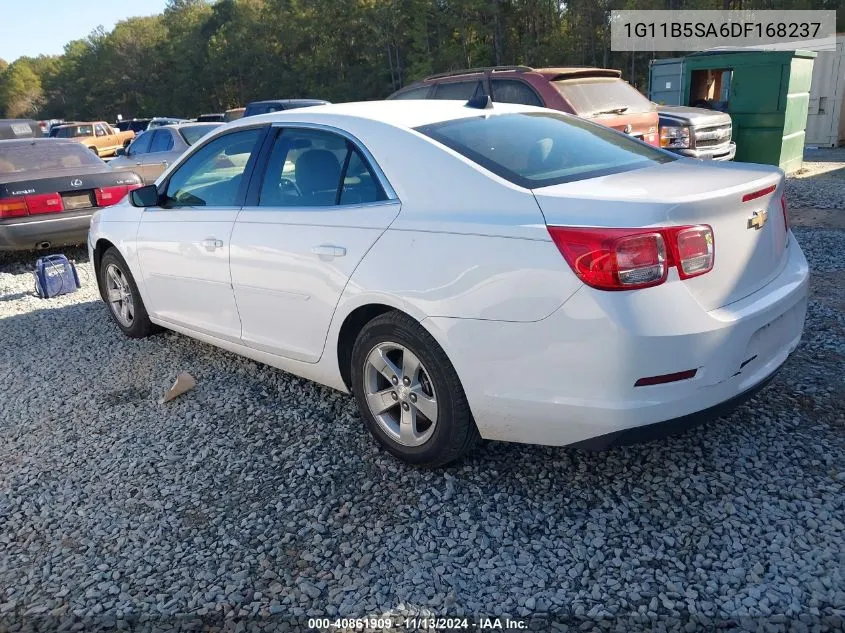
(98, 136)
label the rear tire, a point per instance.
(122, 298)
(94, 149)
(402, 379)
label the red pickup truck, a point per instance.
(598, 94)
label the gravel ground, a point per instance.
(259, 496)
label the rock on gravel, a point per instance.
(260, 495)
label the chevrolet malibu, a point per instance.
(467, 270)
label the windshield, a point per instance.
(538, 149)
(75, 131)
(593, 96)
(19, 157)
(194, 133)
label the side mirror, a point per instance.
(121, 151)
(144, 196)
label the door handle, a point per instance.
(165, 163)
(328, 251)
(211, 243)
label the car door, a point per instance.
(154, 162)
(183, 244)
(135, 154)
(320, 204)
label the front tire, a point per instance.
(409, 393)
(121, 295)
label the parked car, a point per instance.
(696, 132)
(598, 94)
(278, 105)
(136, 125)
(19, 128)
(50, 188)
(98, 136)
(161, 121)
(211, 118)
(233, 114)
(152, 151)
(562, 283)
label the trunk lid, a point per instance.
(748, 255)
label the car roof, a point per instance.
(551, 73)
(408, 113)
(52, 142)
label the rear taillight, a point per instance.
(13, 208)
(44, 203)
(693, 254)
(31, 205)
(628, 259)
(107, 196)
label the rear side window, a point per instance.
(162, 142)
(460, 90)
(540, 149)
(594, 96)
(514, 91)
(413, 93)
(314, 168)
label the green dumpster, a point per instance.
(766, 92)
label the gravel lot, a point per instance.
(260, 496)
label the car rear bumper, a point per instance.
(571, 377)
(34, 232)
(710, 153)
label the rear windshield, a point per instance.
(195, 132)
(539, 149)
(594, 96)
(21, 157)
(74, 131)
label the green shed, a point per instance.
(766, 92)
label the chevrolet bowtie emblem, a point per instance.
(757, 220)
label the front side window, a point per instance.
(514, 91)
(540, 149)
(99, 130)
(313, 168)
(595, 96)
(212, 176)
(162, 141)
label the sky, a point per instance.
(43, 27)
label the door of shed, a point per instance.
(666, 81)
(827, 93)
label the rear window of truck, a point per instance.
(539, 149)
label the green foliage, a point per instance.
(202, 56)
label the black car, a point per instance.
(276, 105)
(19, 128)
(50, 188)
(136, 125)
(210, 118)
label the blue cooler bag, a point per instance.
(54, 276)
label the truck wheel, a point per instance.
(94, 149)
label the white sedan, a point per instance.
(467, 270)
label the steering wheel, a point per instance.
(288, 187)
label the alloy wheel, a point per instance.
(400, 394)
(119, 295)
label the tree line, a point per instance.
(200, 56)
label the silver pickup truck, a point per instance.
(696, 132)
